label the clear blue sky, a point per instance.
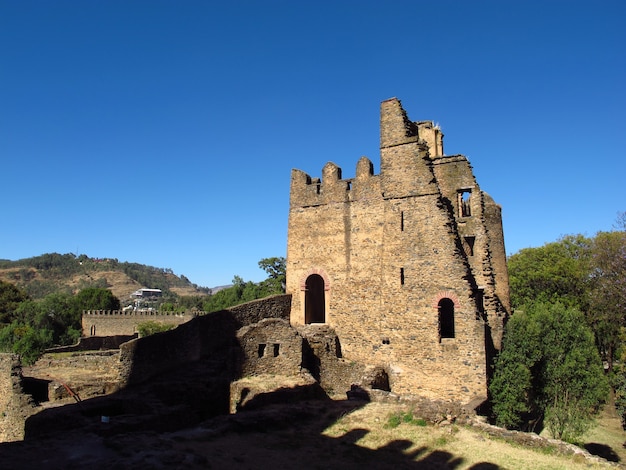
(164, 132)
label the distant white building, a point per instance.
(146, 293)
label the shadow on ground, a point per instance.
(153, 431)
(602, 450)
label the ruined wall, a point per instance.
(15, 406)
(118, 322)
(323, 358)
(477, 219)
(124, 323)
(270, 346)
(388, 248)
(204, 337)
(94, 343)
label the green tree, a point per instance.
(276, 270)
(61, 314)
(557, 271)
(607, 310)
(549, 369)
(96, 298)
(25, 340)
(618, 381)
(10, 298)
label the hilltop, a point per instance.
(69, 273)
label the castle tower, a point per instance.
(407, 266)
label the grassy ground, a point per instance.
(460, 447)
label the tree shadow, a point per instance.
(602, 450)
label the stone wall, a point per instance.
(207, 337)
(124, 323)
(323, 358)
(374, 256)
(270, 346)
(94, 343)
(119, 322)
(15, 406)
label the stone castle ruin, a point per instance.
(408, 266)
(397, 288)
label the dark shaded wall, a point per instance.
(212, 336)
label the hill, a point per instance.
(53, 272)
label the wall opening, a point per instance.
(276, 349)
(402, 221)
(261, 350)
(446, 318)
(314, 300)
(380, 380)
(464, 196)
(469, 245)
(480, 300)
(401, 276)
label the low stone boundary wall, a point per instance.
(94, 343)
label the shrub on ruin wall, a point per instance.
(151, 327)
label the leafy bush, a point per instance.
(151, 327)
(549, 369)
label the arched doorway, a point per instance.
(446, 318)
(314, 300)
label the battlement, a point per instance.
(141, 312)
(332, 188)
(125, 322)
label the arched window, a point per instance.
(446, 318)
(314, 300)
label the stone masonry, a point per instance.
(407, 266)
(119, 322)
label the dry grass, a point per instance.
(452, 446)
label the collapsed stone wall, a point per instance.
(323, 357)
(204, 337)
(62, 376)
(270, 346)
(15, 405)
(94, 343)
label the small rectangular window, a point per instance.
(261, 350)
(402, 276)
(464, 202)
(276, 349)
(402, 221)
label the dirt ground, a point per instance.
(310, 435)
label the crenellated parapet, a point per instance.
(126, 322)
(331, 187)
(141, 313)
